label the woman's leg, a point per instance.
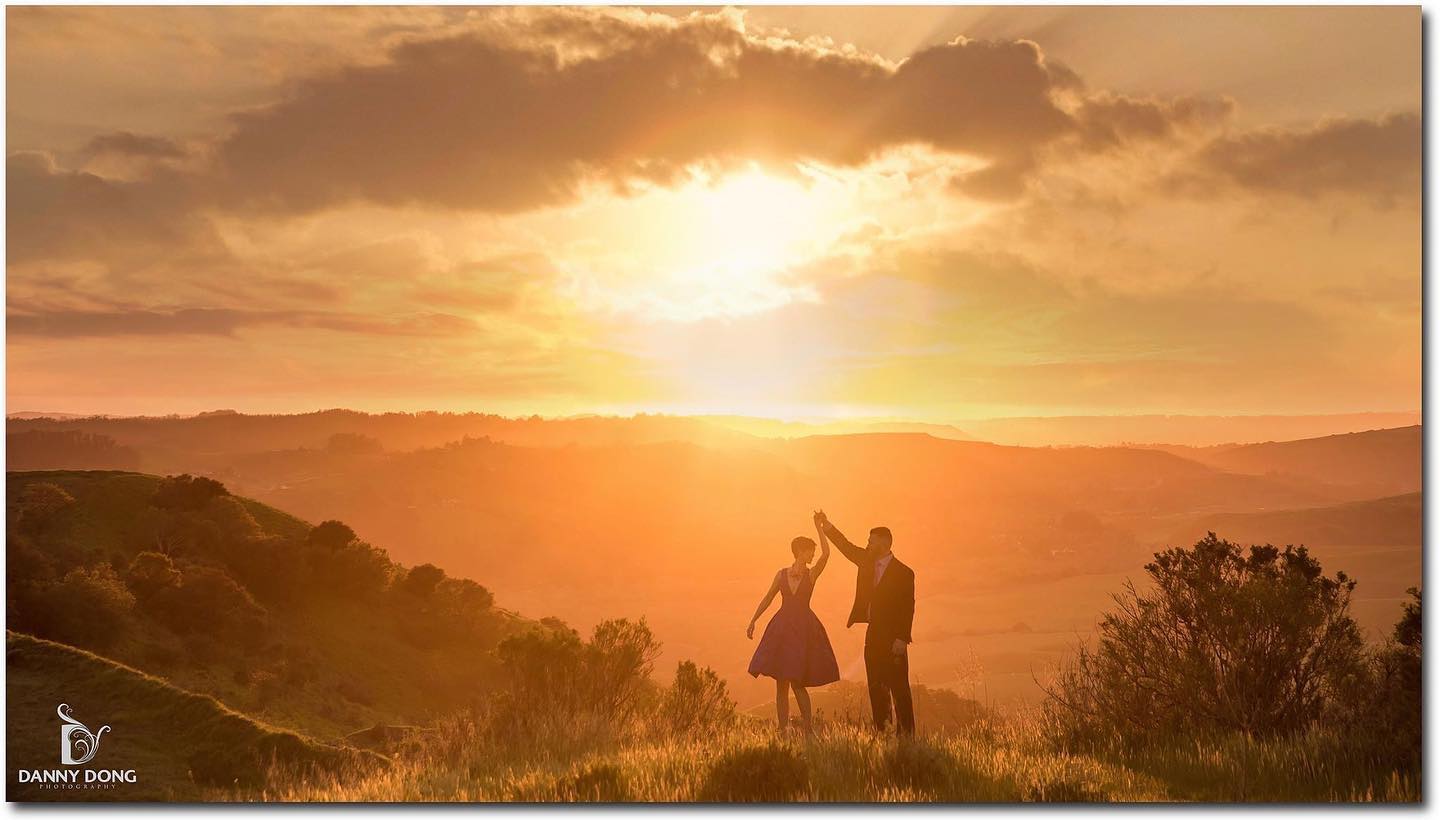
(803, 698)
(782, 703)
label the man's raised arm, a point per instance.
(847, 549)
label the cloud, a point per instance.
(1111, 121)
(484, 122)
(221, 322)
(1372, 157)
(127, 144)
(55, 213)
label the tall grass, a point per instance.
(998, 762)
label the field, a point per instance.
(993, 763)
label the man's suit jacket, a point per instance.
(889, 608)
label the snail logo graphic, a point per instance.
(77, 743)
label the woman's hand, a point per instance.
(750, 631)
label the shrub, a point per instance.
(233, 519)
(553, 681)
(331, 535)
(697, 701)
(1384, 711)
(757, 774)
(602, 783)
(918, 765)
(1257, 643)
(355, 570)
(422, 580)
(149, 573)
(187, 493)
(40, 505)
(90, 607)
(207, 601)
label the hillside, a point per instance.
(1397, 521)
(304, 627)
(1361, 465)
(686, 526)
(179, 743)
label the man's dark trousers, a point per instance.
(889, 677)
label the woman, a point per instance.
(795, 650)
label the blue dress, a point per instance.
(795, 646)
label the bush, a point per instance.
(1258, 643)
(187, 493)
(759, 774)
(149, 573)
(90, 608)
(356, 570)
(601, 783)
(331, 535)
(918, 765)
(233, 519)
(697, 701)
(1386, 703)
(207, 601)
(553, 681)
(422, 580)
(40, 505)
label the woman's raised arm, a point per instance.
(824, 549)
(764, 605)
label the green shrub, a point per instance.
(697, 701)
(918, 765)
(1259, 643)
(555, 682)
(601, 783)
(187, 493)
(90, 608)
(757, 774)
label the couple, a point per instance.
(795, 650)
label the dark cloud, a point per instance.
(1111, 121)
(138, 146)
(220, 322)
(473, 122)
(1378, 158)
(55, 213)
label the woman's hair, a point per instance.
(800, 543)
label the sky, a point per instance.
(931, 213)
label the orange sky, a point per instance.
(923, 212)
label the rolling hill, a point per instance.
(234, 599)
(1360, 465)
(178, 743)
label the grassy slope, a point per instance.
(848, 763)
(177, 741)
(364, 670)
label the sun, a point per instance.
(715, 246)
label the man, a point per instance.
(885, 600)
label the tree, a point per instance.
(187, 493)
(40, 503)
(149, 573)
(422, 580)
(331, 535)
(207, 601)
(89, 607)
(1257, 642)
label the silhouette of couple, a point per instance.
(795, 650)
